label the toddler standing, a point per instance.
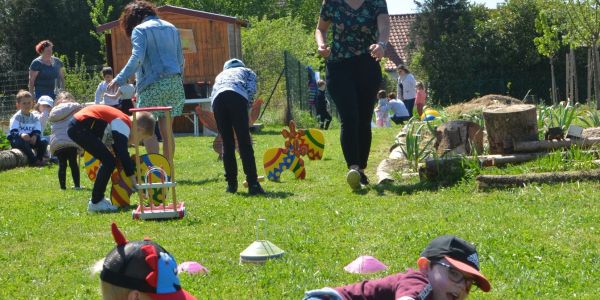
(61, 144)
(382, 117)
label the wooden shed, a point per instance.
(208, 40)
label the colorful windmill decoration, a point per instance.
(298, 143)
(154, 168)
(207, 118)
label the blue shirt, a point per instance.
(156, 53)
(47, 74)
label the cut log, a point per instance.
(11, 159)
(502, 181)
(459, 137)
(500, 160)
(535, 146)
(510, 124)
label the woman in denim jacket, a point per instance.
(157, 61)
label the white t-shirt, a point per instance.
(127, 91)
(398, 107)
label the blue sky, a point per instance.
(396, 7)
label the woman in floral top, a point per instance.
(360, 35)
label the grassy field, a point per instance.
(537, 242)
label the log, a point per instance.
(500, 160)
(11, 159)
(535, 146)
(510, 124)
(503, 181)
(459, 137)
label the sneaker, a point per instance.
(255, 189)
(78, 188)
(103, 206)
(232, 187)
(353, 178)
(364, 180)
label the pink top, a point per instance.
(413, 284)
(420, 98)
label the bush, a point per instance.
(4, 143)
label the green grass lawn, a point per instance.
(537, 242)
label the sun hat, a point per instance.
(233, 63)
(460, 254)
(46, 100)
(144, 266)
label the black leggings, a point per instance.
(353, 84)
(89, 137)
(67, 155)
(40, 148)
(231, 114)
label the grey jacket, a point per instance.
(60, 117)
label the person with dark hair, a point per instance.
(157, 61)
(360, 36)
(407, 88)
(102, 97)
(323, 115)
(46, 74)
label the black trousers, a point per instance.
(67, 156)
(409, 103)
(231, 113)
(353, 84)
(125, 105)
(89, 137)
(40, 148)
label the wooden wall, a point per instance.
(212, 46)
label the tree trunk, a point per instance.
(590, 74)
(553, 94)
(502, 181)
(536, 146)
(11, 159)
(510, 124)
(568, 91)
(597, 75)
(575, 98)
(460, 137)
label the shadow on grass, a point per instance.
(197, 182)
(269, 195)
(408, 189)
(267, 132)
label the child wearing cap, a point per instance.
(232, 96)
(140, 270)
(26, 130)
(448, 267)
(87, 130)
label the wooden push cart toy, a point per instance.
(155, 179)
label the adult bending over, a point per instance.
(46, 73)
(360, 35)
(157, 61)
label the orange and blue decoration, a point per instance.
(298, 143)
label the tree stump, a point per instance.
(510, 124)
(460, 137)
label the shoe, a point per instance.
(103, 206)
(255, 189)
(232, 187)
(353, 178)
(78, 188)
(364, 180)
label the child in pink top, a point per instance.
(420, 98)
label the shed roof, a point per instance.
(182, 11)
(399, 38)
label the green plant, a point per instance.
(4, 143)
(591, 118)
(412, 149)
(562, 116)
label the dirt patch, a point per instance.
(477, 105)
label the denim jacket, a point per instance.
(156, 53)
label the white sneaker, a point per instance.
(353, 179)
(103, 206)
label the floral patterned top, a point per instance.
(354, 30)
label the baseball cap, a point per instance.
(460, 254)
(144, 266)
(233, 63)
(46, 100)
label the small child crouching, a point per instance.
(448, 269)
(61, 145)
(140, 270)
(87, 130)
(26, 130)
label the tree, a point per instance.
(548, 25)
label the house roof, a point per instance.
(182, 11)
(399, 38)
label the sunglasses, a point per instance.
(456, 275)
